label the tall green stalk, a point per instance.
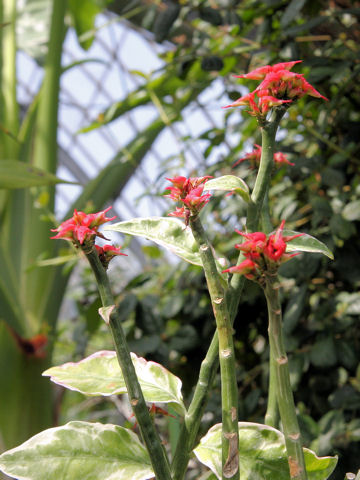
(209, 366)
(150, 436)
(229, 392)
(281, 379)
(9, 117)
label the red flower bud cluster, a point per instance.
(262, 252)
(279, 86)
(188, 191)
(255, 156)
(82, 229)
(107, 253)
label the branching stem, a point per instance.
(229, 393)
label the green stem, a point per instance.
(210, 364)
(285, 397)
(9, 116)
(149, 434)
(272, 411)
(268, 133)
(229, 393)
(192, 420)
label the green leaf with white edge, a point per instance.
(307, 243)
(100, 374)
(229, 183)
(262, 454)
(79, 450)
(170, 233)
(15, 174)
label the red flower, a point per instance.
(254, 245)
(189, 191)
(107, 253)
(262, 252)
(276, 245)
(288, 85)
(255, 156)
(280, 158)
(246, 267)
(259, 102)
(82, 227)
(278, 86)
(261, 72)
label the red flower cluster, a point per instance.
(107, 253)
(255, 156)
(262, 251)
(279, 86)
(188, 191)
(82, 228)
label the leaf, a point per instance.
(79, 450)
(100, 374)
(14, 174)
(262, 454)
(165, 20)
(307, 243)
(291, 11)
(167, 232)
(83, 14)
(323, 353)
(229, 183)
(352, 211)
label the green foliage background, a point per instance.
(320, 195)
(166, 311)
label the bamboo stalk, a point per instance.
(229, 392)
(281, 380)
(149, 434)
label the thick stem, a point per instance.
(149, 434)
(285, 397)
(209, 366)
(229, 393)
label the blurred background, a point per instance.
(116, 96)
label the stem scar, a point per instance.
(233, 414)
(226, 353)
(134, 401)
(105, 313)
(294, 436)
(204, 247)
(295, 469)
(218, 300)
(231, 465)
(282, 360)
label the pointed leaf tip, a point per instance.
(170, 233)
(100, 374)
(307, 243)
